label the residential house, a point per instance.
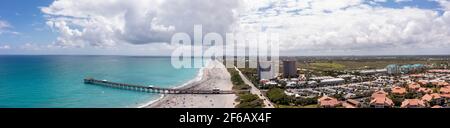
(328, 102)
(413, 103)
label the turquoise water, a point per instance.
(57, 81)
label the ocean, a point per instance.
(57, 81)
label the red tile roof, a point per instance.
(347, 105)
(379, 94)
(445, 90)
(423, 82)
(380, 98)
(445, 95)
(425, 90)
(429, 97)
(382, 101)
(399, 90)
(414, 86)
(416, 75)
(413, 103)
(326, 101)
(439, 71)
(354, 102)
(436, 106)
(442, 84)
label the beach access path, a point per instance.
(256, 91)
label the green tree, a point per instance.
(278, 96)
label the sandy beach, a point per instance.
(214, 75)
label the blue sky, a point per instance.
(26, 18)
(414, 3)
(27, 24)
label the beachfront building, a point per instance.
(267, 70)
(290, 69)
(413, 103)
(379, 99)
(328, 102)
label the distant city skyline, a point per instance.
(145, 27)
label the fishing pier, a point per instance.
(152, 89)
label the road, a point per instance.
(256, 91)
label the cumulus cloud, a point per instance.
(350, 25)
(109, 22)
(445, 4)
(305, 25)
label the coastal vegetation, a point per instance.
(277, 95)
(245, 98)
(238, 83)
(248, 100)
(251, 74)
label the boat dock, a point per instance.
(151, 89)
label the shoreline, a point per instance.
(214, 75)
(187, 84)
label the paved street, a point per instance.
(255, 90)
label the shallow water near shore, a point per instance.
(57, 81)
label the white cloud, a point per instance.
(445, 4)
(109, 22)
(5, 47)
(353, 26)
(3, 26)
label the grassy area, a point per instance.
(328, 66)
(323, 65)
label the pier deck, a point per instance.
(150, 89)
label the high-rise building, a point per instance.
(267, 70)
(289, 69)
